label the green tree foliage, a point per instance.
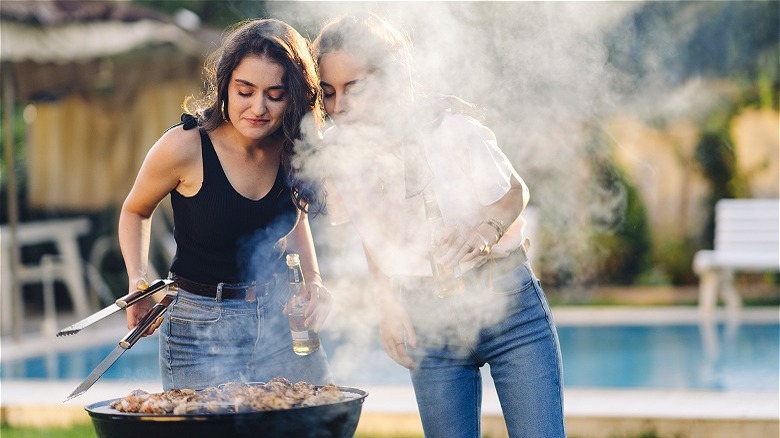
(717, 161)
(217, 14)
(680, 40)
(625, 237)
(20, 155)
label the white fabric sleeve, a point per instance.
(491, 173)
(490, 169)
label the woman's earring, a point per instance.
(225, 116)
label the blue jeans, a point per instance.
(508, 326)
(206, 343)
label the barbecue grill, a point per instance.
(337, 419)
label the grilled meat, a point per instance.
(278, 393)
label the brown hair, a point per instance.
(384, 47)
(387, 52)
(280, 43)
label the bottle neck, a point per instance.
(294, 274)
(432, 211)
(434, 221)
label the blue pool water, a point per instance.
(746, 358)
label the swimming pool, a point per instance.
(674, 356)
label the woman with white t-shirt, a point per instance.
(429, 191)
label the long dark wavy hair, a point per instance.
(282, 44)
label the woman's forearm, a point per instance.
(134, 239)
(383, 291)
(502, 213)
(300, 241)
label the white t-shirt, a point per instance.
(372, 189)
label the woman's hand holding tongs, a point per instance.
(137, 311)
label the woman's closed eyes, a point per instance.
(276, 93)
(351, 88)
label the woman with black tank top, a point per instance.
(238, 206)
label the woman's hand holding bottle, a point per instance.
(467, 248)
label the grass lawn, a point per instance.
(87, 431)
(78, 431)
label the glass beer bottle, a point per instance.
(305, 341)
(445, 281)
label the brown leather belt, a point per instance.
(496, 267)
(223, 291)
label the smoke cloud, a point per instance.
(541, 72)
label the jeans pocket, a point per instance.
(517, 280)
(187, 311)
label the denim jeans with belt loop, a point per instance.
(506, 324)
(208, 341)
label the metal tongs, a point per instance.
(121, 303)
(126, 343)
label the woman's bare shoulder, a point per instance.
(180, 144)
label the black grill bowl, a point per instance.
(324, 421)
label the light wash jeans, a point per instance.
(206, 343)
(509, 327)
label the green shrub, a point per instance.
(623, 236)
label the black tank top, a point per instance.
(222, 236)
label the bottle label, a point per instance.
(300, 336)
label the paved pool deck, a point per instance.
(391, 410)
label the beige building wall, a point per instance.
(756, 134)
(662, 164)
(83, 155)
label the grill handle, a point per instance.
(138, 295)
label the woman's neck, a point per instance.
(227, 135)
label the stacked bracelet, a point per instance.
(497, 225)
